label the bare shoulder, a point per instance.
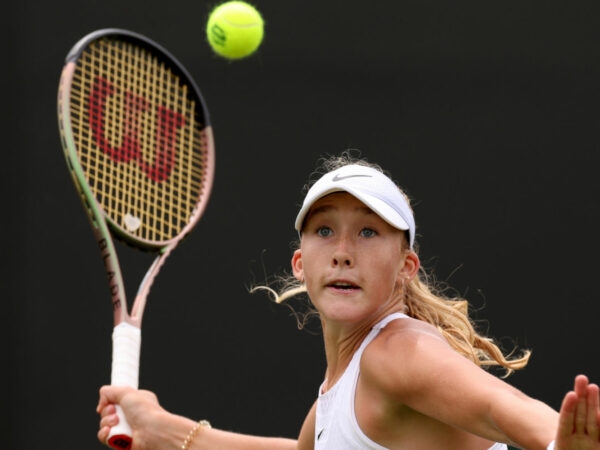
(402, 333)
(307, 433)
(404, 351)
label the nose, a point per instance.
(342, 261)
(342, 255)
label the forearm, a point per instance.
(527, 423)
(210, 439)
(204, 438)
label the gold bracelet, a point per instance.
(190, 437)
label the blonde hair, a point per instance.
(425, 300)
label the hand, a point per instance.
(141, 408)
(579, 421)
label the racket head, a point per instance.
(137, 137)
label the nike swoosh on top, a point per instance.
(339, 177)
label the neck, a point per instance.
(340, 346)
(342, 340)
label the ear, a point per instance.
(297, 269)
(410, 268)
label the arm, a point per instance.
(154, 428)
(415, 367)
(428, 376)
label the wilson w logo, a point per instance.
(168, 122)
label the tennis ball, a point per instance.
(234, 29)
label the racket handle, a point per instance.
(125, 372)
(120, 436)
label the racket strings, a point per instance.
(140, 139)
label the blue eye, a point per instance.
(368, 232)
(324, 231)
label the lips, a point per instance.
(343, 285)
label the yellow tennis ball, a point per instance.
(235, 29)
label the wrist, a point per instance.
(193, 432)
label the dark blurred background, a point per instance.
(486, 112)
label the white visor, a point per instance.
(371, 187)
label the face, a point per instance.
(352, 261)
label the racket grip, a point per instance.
(125, 372)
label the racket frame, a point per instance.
(103, 226)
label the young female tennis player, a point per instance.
(405, 366)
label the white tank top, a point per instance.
(336, 427)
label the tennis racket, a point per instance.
(139, 146)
